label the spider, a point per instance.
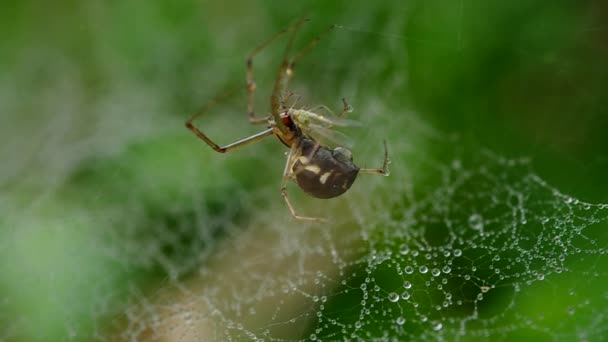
(319, 170)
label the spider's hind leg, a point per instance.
(382, 171)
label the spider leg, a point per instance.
(213, 145)
(284, 71)
(206, 106)
(249, 72)
(306, 48)
(287, 173)
(231, 146)
(384, 170)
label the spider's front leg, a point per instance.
(249, 73)
(290, 65)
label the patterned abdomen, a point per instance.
(324, 173)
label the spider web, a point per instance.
(473, 251)
(473, 244)
(138, 235)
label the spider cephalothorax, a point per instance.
(319, 170)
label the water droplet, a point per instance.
(363, 286)
(313, 337)
(485, 289)
(437, 326)
(476, 222)
(409, 269)
(393, 297)
(540, 276)
(404, 249)
(457, 252)
(435, 272)
(407, 284)
(405, 295)
(446, 269)
(423, 269)
(315, 298)
(400, 320)
(358, 324)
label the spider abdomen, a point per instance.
(323, 172)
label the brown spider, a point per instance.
(319, 170)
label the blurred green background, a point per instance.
(105, 195)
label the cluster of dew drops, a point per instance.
(422, 269)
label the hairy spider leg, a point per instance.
(249, 71)
(292, 157)
(384, 170)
